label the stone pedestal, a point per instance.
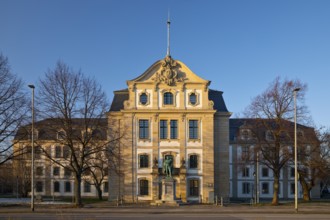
(168, 189)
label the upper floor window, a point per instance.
(58, 151)
(245, 172)
(163, 129)
(265, 172)
(193, 161)
(143, 98)
(168, 98)
(144, 161)
(193, 99)
(40, 171)
(245, 134)
(193, 129)
(143, 129)
(66, 152)
(56, 171)
(174, 129)
(270, 136)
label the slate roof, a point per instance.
(121, 95)
(236, 123)
(48, 128)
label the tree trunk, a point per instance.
(275, 187)
(77, 190)
(99, 191)
(306, 189)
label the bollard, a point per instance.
(221, 201)
(117, 201)
(216, 200)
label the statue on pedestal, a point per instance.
(168, 166)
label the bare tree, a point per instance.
(277, 105)
(13, 109)
(76, 106)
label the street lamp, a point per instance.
(32, 151)
(295, 151)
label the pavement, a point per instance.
(23, 206)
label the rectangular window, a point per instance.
(87, 187)
(66, 152)
(292, 172)
(292, 188)
(246, 172)
(265, 172)
(143, 129)
(105, 187)
(193, 129)
(56, 171)
(56, 186)
(193, 187)
(67, 172)
(58, 151)
(67, 186)
(163, 129)
(40, 171)
(144, 161)
(37, 152)
(246, 188)
(144, 188)
(193, 161)
(265, 188)
(174, 129)
(39, 186)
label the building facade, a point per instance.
(170, 112)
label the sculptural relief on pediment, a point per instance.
(169, 73)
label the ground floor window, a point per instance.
(265, 188)
(292, 189)
(246, 188)
(67, 186)
(39, 186)
(87, 187)
(144, 187)
(105, 187)
(194, 187)
(56, 186)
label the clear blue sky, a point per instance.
(240, 45)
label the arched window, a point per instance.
(168, 98)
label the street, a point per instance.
(158, 216)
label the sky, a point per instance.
(239, 45)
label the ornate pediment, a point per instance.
(168, 73)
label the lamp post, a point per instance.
(32, 151)
(295, 151)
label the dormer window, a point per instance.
(193, 99)
(143, 98)
(269, 136)
(245, 134)
(168, 98)
(61, 135)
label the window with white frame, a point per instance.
(144, 187)
(87, 187)
(67, 186)
(245, 172)
(143, 129)
(265, 172)
(265, 188)
(143, 98)
(56, 186)
(246, 186)
(193, 129)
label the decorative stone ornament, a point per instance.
(168, 74)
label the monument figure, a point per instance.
(168, 166)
